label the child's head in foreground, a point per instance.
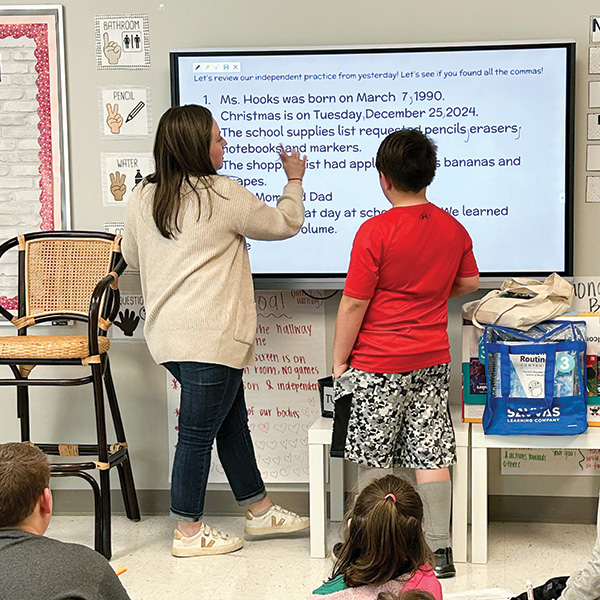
(385, 537)
(24, 474)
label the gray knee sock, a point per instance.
(437, 498)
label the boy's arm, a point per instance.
(349, 319)
(464, 285)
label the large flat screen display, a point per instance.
(500, 114)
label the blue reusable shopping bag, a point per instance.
(535, 379)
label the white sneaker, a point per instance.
(275, 520)
(206, 542)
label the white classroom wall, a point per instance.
(229, 23)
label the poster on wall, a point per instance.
(124, 111)
(121, 172)
(281, 389)
(550, 461)
(34, 166)
(586, 294)
(128, 325)
(122, 41)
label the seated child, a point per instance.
(384, 549)
(581, 585)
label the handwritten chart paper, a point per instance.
(281, 388)
(587, 294)
(550, 461)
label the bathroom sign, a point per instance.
(122, 41)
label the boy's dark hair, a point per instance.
(181, 152)
(24, 474)
(385, 537)
(408, 159)
(408, 595)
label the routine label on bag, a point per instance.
(527, 375)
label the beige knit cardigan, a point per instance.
(198, 290)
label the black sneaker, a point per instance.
(444, 563)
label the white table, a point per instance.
(460, 486)
(319, 440)
(479, 477)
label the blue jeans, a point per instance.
(212, 407)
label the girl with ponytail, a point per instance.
(384, 548)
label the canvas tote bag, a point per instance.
(521, 303)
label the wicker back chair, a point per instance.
(71, 275)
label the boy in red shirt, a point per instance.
(391, 346)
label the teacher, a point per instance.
(185, 231)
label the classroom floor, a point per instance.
(281, 569)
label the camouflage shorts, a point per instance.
(399, 419)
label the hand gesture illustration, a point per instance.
(117, 185)
(111, 50)
(114, 119)
(128, 323)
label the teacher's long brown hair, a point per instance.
(182, 156)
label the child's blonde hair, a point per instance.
(385, 537)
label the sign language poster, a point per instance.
(129, 322)
(122, 41)
(281, 388)
(124, 111)
(121, 172)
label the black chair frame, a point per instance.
(104, 306)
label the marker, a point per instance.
(138, 107)
(121, 570)
(529, 589)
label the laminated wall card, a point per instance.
(121, 172)
(129, 322)
(124, 111)
(122, 41)
(281, 390)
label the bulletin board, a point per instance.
(34, 173)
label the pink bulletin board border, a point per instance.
(43, 29)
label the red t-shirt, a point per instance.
(405, 261)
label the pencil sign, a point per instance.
(124, 112)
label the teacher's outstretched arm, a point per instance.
(264, 222)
